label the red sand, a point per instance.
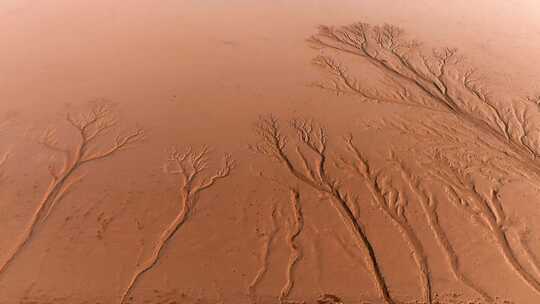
(192, 152)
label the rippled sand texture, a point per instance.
(316, 152)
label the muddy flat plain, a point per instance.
(259, 152)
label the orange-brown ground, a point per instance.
(269, 152)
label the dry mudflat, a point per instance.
(264, 152)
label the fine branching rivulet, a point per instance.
(312, 171)
(191, 167)
(437, 80)
(89, 127)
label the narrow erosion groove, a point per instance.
(188, 165)
(487, 208)
(296, 252)
(312, 141)
(265, 254)
(89, 128)
(429, 208)
(393, 204)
